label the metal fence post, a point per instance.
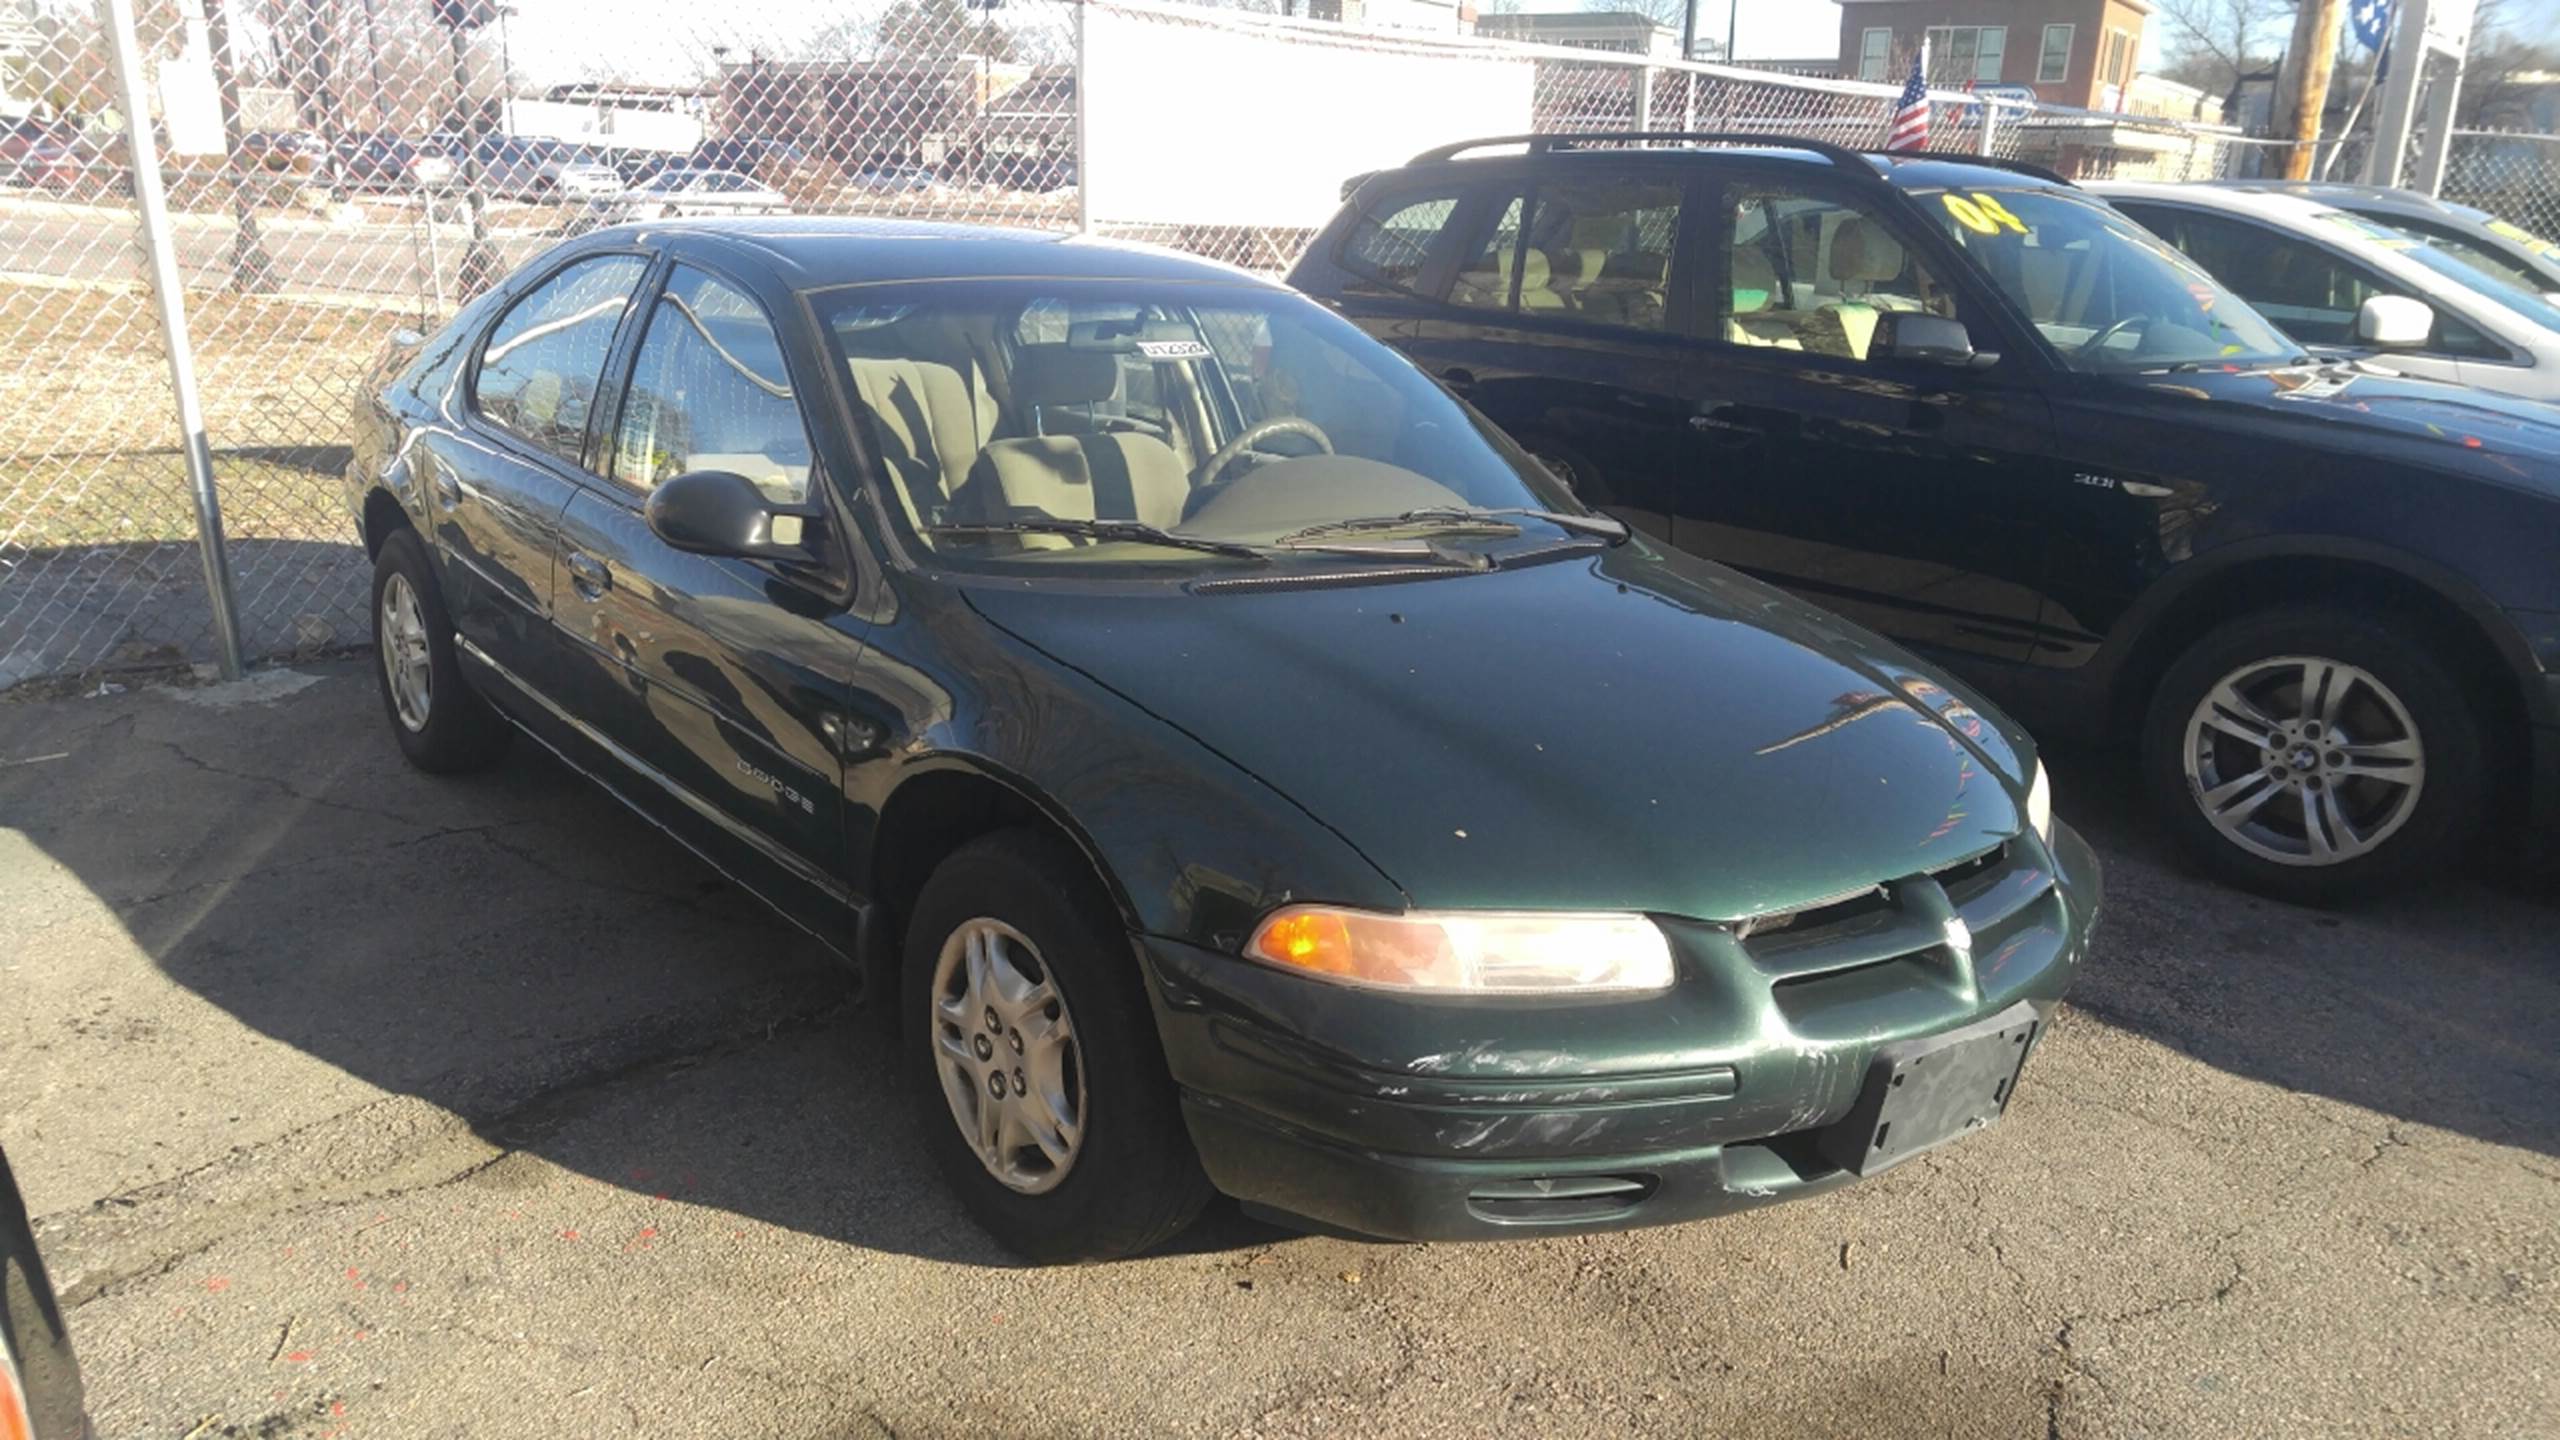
(1084, 134)
(159, 245)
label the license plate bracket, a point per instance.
(1920, 1094)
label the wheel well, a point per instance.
(2291, 580)
(382, 515)
(925, 820)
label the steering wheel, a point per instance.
(2098, 342)
(1254, 435)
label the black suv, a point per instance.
(1980, 411)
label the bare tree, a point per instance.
(2210, 44)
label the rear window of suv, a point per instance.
(1392, 242)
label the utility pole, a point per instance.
(2316, 55)
(252, 270)
(1689, 29)
(1732, 14)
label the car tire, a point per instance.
(1009, 931)
(442, 724)
(2409, 797)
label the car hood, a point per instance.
(1622, 729)
(2462, 424)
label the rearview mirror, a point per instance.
(719, 512)
(1930, 340)
(2394, 322)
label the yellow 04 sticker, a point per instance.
(1981, 213)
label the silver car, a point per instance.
(689, 190)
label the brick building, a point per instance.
(2068, 52)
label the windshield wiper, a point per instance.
(1137, 531)
(1446, 518)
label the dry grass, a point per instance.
(88, 435)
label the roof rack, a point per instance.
(1839, 155)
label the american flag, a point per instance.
(1910, 130)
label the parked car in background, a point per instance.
(33, 152)
(40, 1395)
(688, 191)
(1974, 408)
(1237, 764)
(894, 179)
(2337, 279)
(298, 154)
(381, 161)
(532, 168)
(2496, 247)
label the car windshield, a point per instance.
(2446, 264)
(1065, 424)
(2109, 295)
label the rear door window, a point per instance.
(2313, 293)
(540, 367)
(1593, 248)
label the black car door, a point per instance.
(500, 470)
(1559, 318)
(718, 685)
(1902, 493)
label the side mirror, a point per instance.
(2394, 322)
(1929, 340)
(719, 512)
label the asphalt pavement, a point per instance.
(358, 1103)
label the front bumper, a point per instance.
(1404, 1119)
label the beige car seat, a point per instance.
(1755, 292)
(1862, 256)
(1088, 475)
(930, 421)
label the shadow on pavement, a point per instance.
(514, 947)
(2435, 1005)
(520, 951)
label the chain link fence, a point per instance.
(2512, 175)
(339, 170)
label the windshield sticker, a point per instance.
(1173, 349)
(2523, 237)
(1981, 214)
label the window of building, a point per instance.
(1875, 52)
(2053, 64)
(1959, 54)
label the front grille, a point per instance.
(1841, 964)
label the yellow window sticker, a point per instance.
(1991, 207)
(2524, 237)
(1981, 213)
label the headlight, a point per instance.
(2040, 805)
(1468, 952)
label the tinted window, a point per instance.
(1813, 273)
(541, 365)
(710, 392)
(1390, 244)
(2311, 292)
(1605, 245)
(1484, 275)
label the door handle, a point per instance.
(588, 575)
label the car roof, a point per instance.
(2384, 199)
(2269, 204)
(1926, 169)
(813, 251)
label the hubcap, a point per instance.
(400, 633)
(2304, 760)
(1006, 1051)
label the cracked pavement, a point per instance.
(357, 1103)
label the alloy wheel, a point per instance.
(1006, 1051)
(2304, 760)
(406, 662)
